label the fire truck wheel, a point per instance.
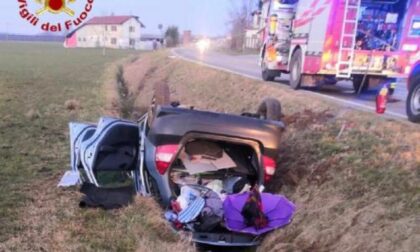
(413, 100)
(270, 109)
(267, 74)
(357, 83)
(296, 69)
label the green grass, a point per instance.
(36, 79)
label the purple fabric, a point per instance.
(278, 210)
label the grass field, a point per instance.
(357, 190)
(35, 82)
(42, 88)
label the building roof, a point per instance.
(106, 20)
(111, 20)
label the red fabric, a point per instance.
(175, 206)
(253, 210)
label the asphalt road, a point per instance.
(343, 93)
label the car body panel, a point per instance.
(171, 126)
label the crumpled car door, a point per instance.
(112, 145)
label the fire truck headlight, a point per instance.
(409, 47)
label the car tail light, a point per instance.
(165, 154)
(269, 168)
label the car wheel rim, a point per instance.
(415, 101)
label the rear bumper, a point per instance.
(227, 239)
(383, 74)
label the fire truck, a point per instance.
(323, 41)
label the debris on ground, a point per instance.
(72, 104)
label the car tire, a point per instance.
(270, 109)
(413, 100)
(358, 82)
(296, 69)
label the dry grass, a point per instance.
(34, 214)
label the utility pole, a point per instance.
(162, 37)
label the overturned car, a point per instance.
(197, 164)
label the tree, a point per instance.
(160, 27)
(240, 19)
(172, 36)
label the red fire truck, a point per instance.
(322, 41)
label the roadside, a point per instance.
(342, 93)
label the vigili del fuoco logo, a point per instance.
(35, 12)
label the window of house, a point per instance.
(114, 28)
(84, 39)
(132, 29)
(106, 27)
(114, 41)
(132, 42)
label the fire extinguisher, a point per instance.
(382, 99)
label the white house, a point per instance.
(253, 32)
(107, 31)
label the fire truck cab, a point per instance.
(323, 41)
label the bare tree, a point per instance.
(172, 36)
(240, 20)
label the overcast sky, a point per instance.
(207, 17)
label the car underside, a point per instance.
(174, 148)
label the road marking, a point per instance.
(338, 100)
